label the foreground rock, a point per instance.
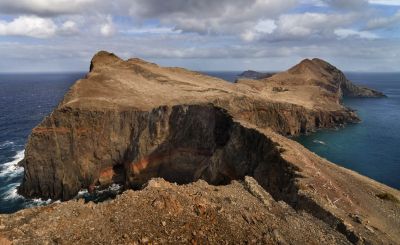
(166, 213)
(130, 121)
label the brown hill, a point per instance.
(130, 121)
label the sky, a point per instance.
(203, 35)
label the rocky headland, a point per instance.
(241, 180)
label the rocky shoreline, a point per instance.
(131, 121)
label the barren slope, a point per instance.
(130, 121)
(311, 83)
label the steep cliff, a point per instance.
(348, 89)
(180, 143)
(129, 121)
(121, 112)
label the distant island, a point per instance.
(202, 160)
(255, 74)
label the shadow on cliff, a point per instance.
(203, 142)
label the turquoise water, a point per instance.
(371, 147)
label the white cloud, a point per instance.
(385, 2)
(309, 25)
(210, 16)
(384, 22)
(346, 33)
(203, 30)
(108, 29)
(69, 27)
(151, 30)
(75, 54)
(30, 26)
(263, 27)
(249, 35)
(44, 7)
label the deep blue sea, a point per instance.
(370, 148)
(24, 100)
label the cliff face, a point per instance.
(351, 90)
(130, 121)
(332, 79)
(348, 89)
(124, 110)
(181, 144)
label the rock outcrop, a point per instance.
(164, 213)
(348, 88)
(130, 121)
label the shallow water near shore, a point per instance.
(370, 148)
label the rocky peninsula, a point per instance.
(239, 179)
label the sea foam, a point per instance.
(12, 195)
(319, 142)
(12, 192)
(11, 169)
(6, 144)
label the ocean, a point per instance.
(25, 99)
(370, 148)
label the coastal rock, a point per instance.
(348, 88)
(197, 213)
(130, 121)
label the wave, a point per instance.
(82, 194)
(6, 144)
(99, 194)
(12, 192)
(12, 195)
(38, 202)
(11, 169)
(319, 142)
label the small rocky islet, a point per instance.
(203, 161)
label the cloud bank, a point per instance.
(64, 34)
